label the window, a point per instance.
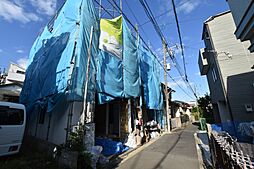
(214, 75)
(11, 116)
(20, 72)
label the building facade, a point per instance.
(227, 63)
(243, 15)
(11, 83)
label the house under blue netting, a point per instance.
(54, 87)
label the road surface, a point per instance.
(171, 151)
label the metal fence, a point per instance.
(226, 153)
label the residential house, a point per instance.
(11, 83)
(227, 64)
(243, 15)
(71, 80)
(178, 109)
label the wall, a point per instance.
(239, 59)
(57, 125)
(13, 75)
(215, 87)
(241, 94)
(235, 62)
(225, 117)
(238, 8)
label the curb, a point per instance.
(200, 157)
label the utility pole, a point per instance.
(166, 84)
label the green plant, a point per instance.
(205, 108)
(75, 143)
(184, 118)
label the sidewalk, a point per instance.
(176, 150)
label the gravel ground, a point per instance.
(27, 159)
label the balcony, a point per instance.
(202, 62)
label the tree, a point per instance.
(205, 108)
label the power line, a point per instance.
(159, 32)
(162, 38)
(182, 21)
(180, 38)
(165, 12)
(153, 54)
(136, 19)
(119, 9)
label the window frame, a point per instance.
(9, 121)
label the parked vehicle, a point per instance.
(12, 127)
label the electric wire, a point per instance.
(146, 45)
(164, 13)
(175, 62)
(136, 19)
(159, 32)
(146, 36)
(180, 38)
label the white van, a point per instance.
(12, 127)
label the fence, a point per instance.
(227, 154)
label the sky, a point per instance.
(22, 20)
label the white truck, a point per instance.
(12, 127)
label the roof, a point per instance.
(17, 65)
(212, 18)
(217, 15)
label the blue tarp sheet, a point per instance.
(109, 77)
(121, 78)
(116, 77)
(58, 57)
(241, 130)
(58, 62)
(131, 69)
(110, 147)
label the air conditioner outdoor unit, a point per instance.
(248, 107)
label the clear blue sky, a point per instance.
(22, 20)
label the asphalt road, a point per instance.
(172, 151)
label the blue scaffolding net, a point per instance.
(58, 57)
(58, 63)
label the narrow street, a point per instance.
(172, 151)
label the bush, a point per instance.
(184, 118)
